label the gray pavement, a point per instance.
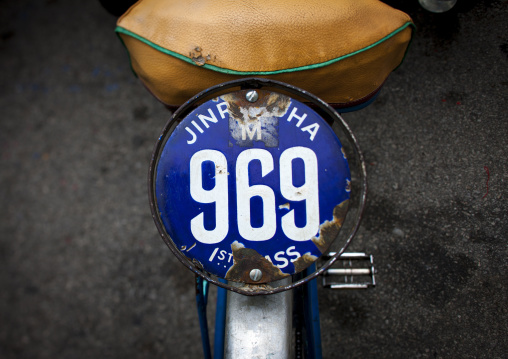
(84, 273)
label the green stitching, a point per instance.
(250, 73)
(128, 53)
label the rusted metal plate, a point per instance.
(252, 186)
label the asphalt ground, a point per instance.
(84, 273)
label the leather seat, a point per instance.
(341, 51)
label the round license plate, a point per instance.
(252, 186)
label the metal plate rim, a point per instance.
(254, 83)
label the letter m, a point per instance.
(246, 131)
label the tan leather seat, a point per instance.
(339, 50)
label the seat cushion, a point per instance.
(341, 51)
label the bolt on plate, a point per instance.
(255, 275)
(252, 96)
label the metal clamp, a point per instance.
(356, 268)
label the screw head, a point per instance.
(252, 96)
(255, 275)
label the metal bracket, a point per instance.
(356, 268)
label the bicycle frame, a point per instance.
(259, 321)
(263, 324)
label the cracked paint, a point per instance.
(329, 230)
(259, 121)
(245, 260)
(304, 261)
(284, 206)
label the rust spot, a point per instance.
(220, 169)
(247, 259)
(256, 287)
(257, 121)
(197, 263)
(269, 104)
(329, 230)
(304, 261)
